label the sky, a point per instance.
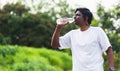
(91, 4)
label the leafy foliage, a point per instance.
(21, 58)
(107, 21)
(19, 26)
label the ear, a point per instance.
(86, 18)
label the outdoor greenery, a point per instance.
(20, 26)
(26, 31)
(108, 23)
(22, 58)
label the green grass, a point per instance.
(22, 58)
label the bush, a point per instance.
(22, 58)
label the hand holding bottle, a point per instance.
(64, 20)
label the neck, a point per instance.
(85, 27)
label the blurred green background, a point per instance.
(26, 31)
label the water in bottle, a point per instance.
(65, 20)
(70, 20)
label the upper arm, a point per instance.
(109, 50)
(103, 40)
(65, 41)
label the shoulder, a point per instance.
(71, 32)
(74, 30)
(97, 29)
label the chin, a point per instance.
(76, 23)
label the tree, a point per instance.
(107, 22)
(31, 29)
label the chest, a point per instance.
(84, 39)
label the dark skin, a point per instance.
(80, 21)
(83, 24)
(110, 57)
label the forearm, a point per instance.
(110, 57)
(55, 38)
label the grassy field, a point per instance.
(23, 58)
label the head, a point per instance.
(86, 14)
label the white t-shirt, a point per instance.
(87, 48)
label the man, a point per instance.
(86, 43)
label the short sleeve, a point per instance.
(65, 41)
(103, 40)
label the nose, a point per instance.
(74, 17)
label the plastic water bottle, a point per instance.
(65, 20)
(70, 20)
